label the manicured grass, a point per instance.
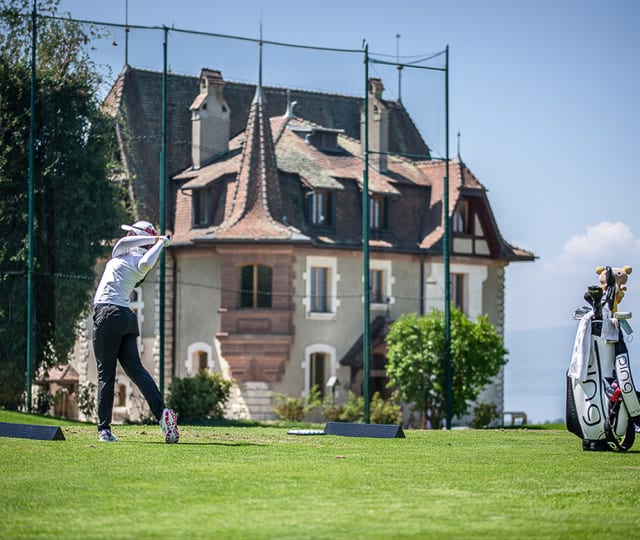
(260, 482)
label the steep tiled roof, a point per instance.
(228, 164)
(461, 182)
(136, 101)
(309, 170)
(271, 166)
(254, 205)
(136, 97)
(340, 171)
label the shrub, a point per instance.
(314, 399)
(385, 412)
(484, 414)
(351, 411)
(332, 411)
(288, 407)
(294, 408)
(199, 398)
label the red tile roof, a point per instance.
(254, 204)
(270, 167)
(135, 99)
(255, 209)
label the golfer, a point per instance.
(115, 327)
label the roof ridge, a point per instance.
(249, 84)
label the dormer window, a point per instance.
(202, 207)
(468, 234)
(461, 221)
(321, 208)
(378, 212)
(324, 139)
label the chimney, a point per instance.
(209, 119)
(378, 127)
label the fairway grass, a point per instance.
(260, 482)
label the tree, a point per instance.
(77, 207)
(416, 350)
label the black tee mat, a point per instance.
(381, 431)
(31, 431)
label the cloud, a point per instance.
(545, 293)
(607, 243)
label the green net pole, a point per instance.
(32, 161)
(447, 275)
(163, 186)
(366, 338)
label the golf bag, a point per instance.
(602, 405)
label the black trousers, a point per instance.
(115, 330)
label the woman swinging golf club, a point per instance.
(115, 327)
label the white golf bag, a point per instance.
(602, 406)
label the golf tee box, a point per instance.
(349, 429)
(31, 431)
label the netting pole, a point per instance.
(447, 274)
(126, 33)
(32, 161)
(163, 187)
(366, 337)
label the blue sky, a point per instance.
(544, 95)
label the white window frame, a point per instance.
(475, 276)
(306, 365)
(192, 350)
(332, 284)
(387, 282)
(464, 292)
